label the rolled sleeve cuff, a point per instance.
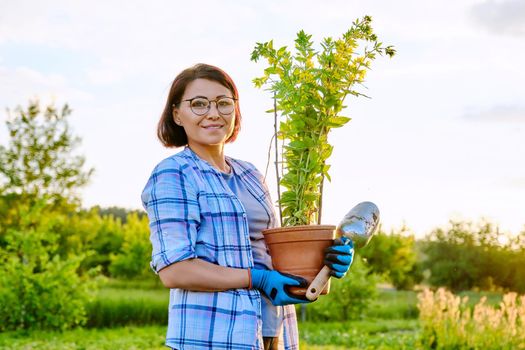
(160, 261)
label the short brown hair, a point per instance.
(173, 135)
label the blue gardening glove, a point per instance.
(339, 256)
(273, 284)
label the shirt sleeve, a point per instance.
(171, 202)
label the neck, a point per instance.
(213, 154)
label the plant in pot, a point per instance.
(309, 88)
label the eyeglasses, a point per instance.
(201, 105)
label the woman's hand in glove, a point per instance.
(273, 284)
(339, 256)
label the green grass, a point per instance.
(392, 304)
(115, 306)
(493, 298)
(145, 284)
(370, 334)
(126, 338)
(366, 334)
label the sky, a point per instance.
(441, 138)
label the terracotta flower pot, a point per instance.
(299, 250)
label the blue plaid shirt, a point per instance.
(194, 214)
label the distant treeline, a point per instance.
(118, 212)
(461, 256)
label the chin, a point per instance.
(216, 139)
(213, 142)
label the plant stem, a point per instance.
(320, 204)
(277, 159)
(321, 186)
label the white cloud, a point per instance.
(126, 36)
(22, 83)
(506, 17)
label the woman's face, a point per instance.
(212, 127)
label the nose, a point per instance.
(213, 110)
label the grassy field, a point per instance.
(129, 338)
(115, 307)
(133, 315)
(370, 334)
(366, 334)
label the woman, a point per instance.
(206, 213)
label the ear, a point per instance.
(176, 119)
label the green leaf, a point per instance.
(337, 122)
(289, 196)
(298, 145)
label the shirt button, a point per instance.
(244, 215)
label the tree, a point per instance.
(135, 254)
(467, 256)
(43, 238)
(108, 239)
(118, 212)
(394, 256)
(452, 257)
(39, 160)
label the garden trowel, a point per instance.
(358, 225)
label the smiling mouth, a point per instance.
(212, 126)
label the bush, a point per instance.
(394, 256)
(349, 297)
(132, 261)
(38, 288)
(107, 240)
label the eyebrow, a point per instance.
(216, 97)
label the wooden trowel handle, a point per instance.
(316, 287)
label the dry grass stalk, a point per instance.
(448, 322)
